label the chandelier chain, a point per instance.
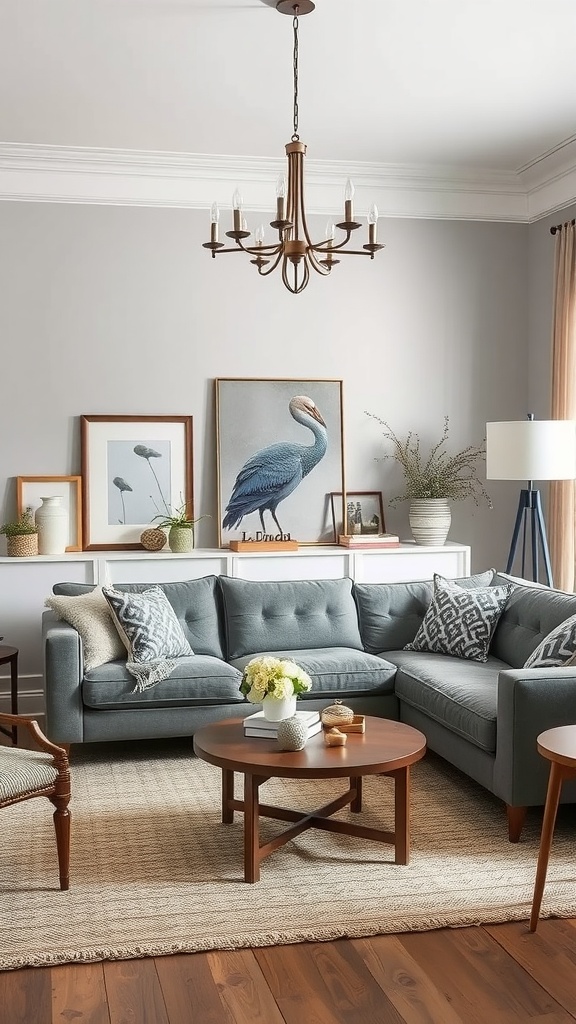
(295, 135)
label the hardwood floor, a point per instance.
(483, 975)
(500, 974)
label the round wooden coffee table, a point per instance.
(559, 746)
(385, 748)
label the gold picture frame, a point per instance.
(31, 489)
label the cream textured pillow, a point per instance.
(91, 617)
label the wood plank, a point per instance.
(326, 983)
(482, 982)
(79, 994)
(26, 996)
(243, 988)
(190, 991)
(549, 955)
(406, 984)
(134, 992)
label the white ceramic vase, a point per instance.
(278, 708)
(52, 522)
(430, 520)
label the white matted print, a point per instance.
(134, 468)
(30, 490)
(280, 454)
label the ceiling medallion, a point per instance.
(294, 250)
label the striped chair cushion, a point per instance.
(24, 771)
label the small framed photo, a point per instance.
(30, 490)
(279, 455)
(134, 468)
(364, 511)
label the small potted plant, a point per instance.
(433, 478)
(275, 683)
(21, 536)
(180, 527)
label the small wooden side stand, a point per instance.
(264, 545)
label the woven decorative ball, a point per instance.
(153, 540)
(292, 734)
(336, 714)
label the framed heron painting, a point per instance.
(135, 469)
(280, 453)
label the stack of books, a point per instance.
(370, 540)
(257, 725)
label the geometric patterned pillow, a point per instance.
(558, 648)
(147, 625)
(459, 621)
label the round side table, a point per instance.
(9, 655)
(559, 746)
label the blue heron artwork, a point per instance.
(270, 475)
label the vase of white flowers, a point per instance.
(275, 683)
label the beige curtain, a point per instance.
(562, 501)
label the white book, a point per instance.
(263, 734)
(258, 721)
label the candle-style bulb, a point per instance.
(214, 213)
(281, 187)
(259, 235)
(237, 200)
(330, 231)
(373, 214)
(349, 191)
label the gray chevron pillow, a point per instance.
(460, 621)
(558, 648)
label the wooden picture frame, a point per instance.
(31, 489)
(134, 468)
(279, 496)
(368, 506)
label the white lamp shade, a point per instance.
(531, 450)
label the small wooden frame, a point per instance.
(263, 545)
(31, 489)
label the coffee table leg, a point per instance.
(552, 800)
(251, 829)
(356, 803)
(402, 815)
(227, 795)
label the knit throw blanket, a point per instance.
(148, 673)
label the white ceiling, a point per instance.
(478, 86)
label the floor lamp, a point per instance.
(531, 450)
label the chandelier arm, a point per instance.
(264, 273)
(314, 263)
(255, 250)
(324, 247)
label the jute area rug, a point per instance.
(153, 870)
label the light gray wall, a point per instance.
(119, 310)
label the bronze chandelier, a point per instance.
(294, 250)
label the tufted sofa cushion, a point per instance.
(529, 616)
(196, 603)
(391, 614)
(289, 615)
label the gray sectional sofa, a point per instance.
(483, 717)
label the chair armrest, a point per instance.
(529, 702)
(42, 741)
(63, 673)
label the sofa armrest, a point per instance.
(63, 672)
(529, 702)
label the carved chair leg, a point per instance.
(62, 829)
(516, 819)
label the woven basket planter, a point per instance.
(22, 545)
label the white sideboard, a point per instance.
(25, 583)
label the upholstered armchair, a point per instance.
(40, 772)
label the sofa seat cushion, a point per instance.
(337, 670)
(460, 695)
(288, 615)
(197, 680)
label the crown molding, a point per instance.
(62, 174)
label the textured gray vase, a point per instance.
(292, 734)
(430, 520)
